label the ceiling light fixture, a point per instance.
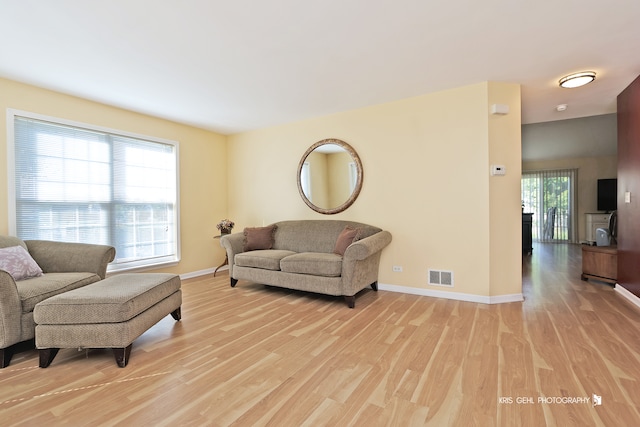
(561, 107)
(577, 79)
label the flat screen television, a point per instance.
(607, 194)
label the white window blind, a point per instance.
(78, 184)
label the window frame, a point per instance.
(149, 263)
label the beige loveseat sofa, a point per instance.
(65, 266)
(302, 257)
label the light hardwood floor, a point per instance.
(256, 356)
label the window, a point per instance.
(353, 177)
(305, 179)
(78, 183)
(550, 196)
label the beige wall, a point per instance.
(590, 169)
(203, 166)
(339, 182)
(329, 178)
(319, 179)
(505, 148)
(426, 180)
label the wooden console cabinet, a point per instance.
(527, 241)
(600, 263)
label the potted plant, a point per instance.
(225, 226)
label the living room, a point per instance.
(426, 178)
(251, 193)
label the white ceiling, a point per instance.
(234, 66)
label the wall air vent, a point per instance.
(441, 278)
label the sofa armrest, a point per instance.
(61, 257)
(361, 262)
(234, 244)
(368, 246)
(10, 311)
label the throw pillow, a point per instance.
(16, 261)
(259, 237)
(346, 237)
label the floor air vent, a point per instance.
(441, 278)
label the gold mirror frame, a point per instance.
(356, 191)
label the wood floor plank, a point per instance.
(255, 355)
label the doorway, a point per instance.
(551, 196)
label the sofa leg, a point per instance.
(5, 356)
(233, 282)
(122, 355)
(176, 314)
(374, 286)
(46, 356)
(351, 300)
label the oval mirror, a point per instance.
(330, 176)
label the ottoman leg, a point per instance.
(47, 355)
(122, 355)
(176, 314)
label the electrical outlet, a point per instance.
(397, 269)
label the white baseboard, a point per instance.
(501, 299)
(498, 299)
(628, 295)
(202, 272)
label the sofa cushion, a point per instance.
(256, 238)
(315, 235)
(16, 261)
(268, 259)
(346, 237)
(315, 263)
(36, 289)
(113, 300)
(7, 241)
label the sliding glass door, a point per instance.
(550, 195)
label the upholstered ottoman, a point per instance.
(110, 313)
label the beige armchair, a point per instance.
(65, 266)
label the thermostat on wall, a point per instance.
(498, 170)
